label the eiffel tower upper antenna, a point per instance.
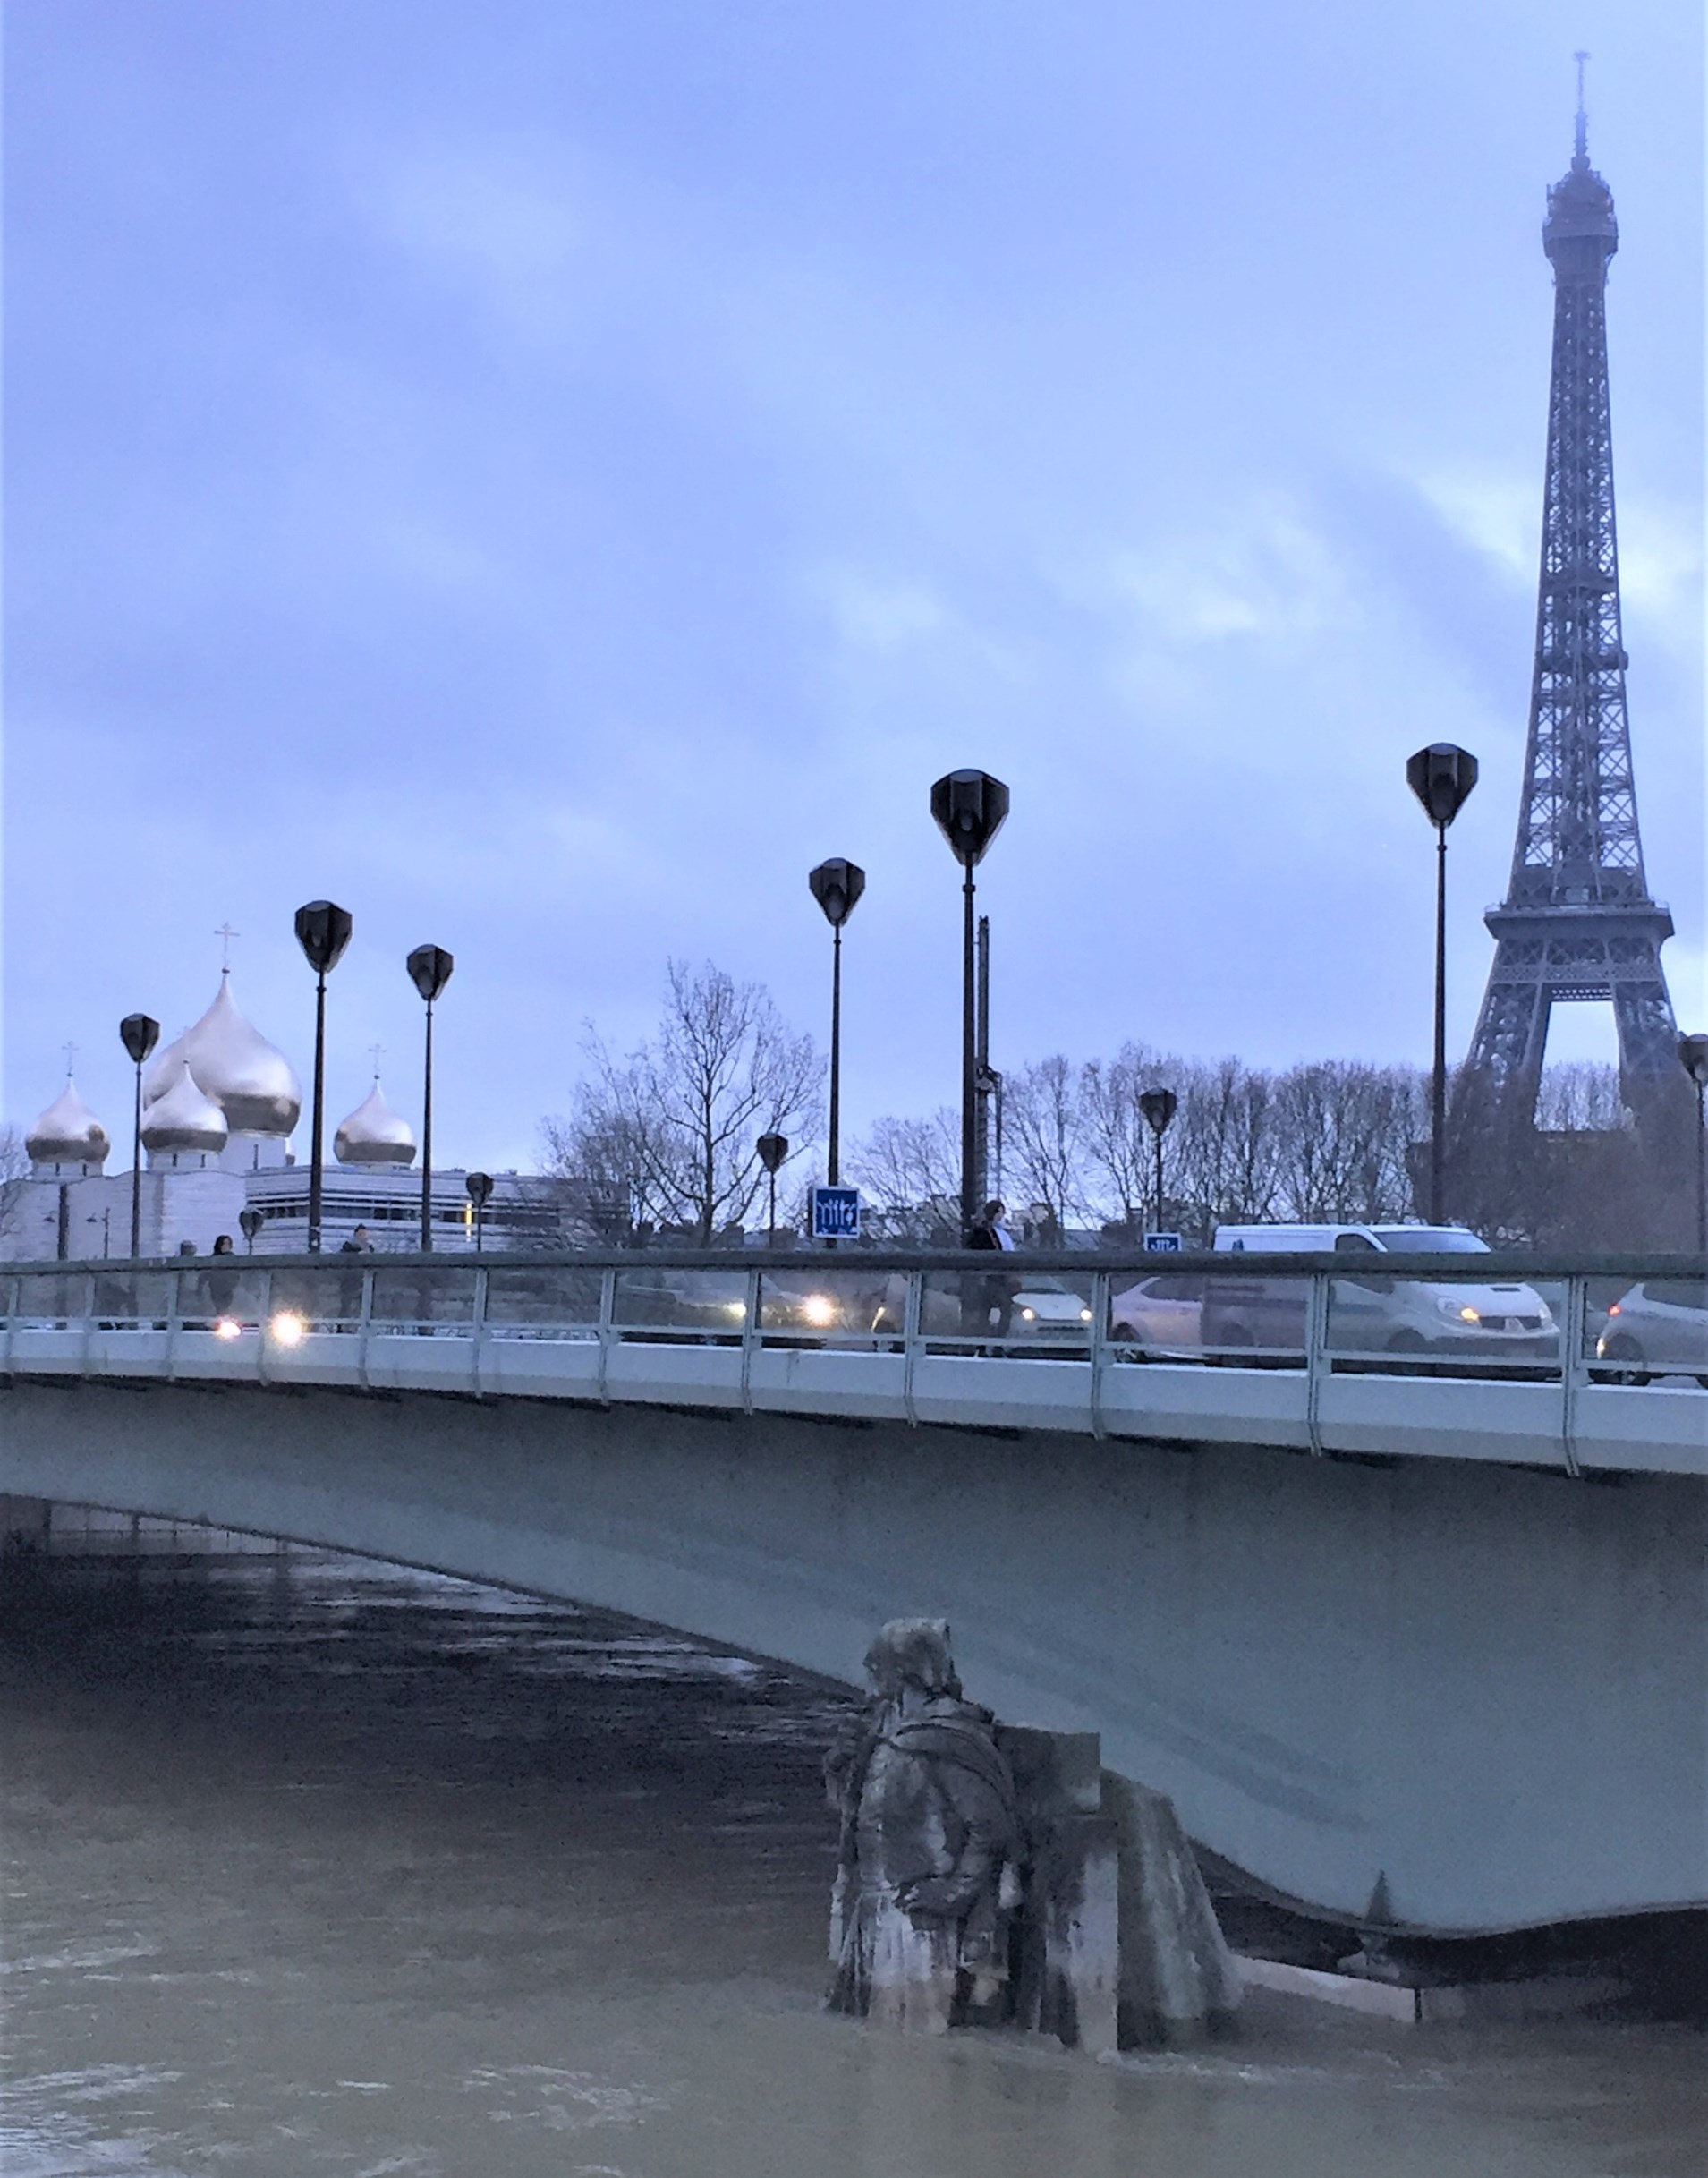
(1581, 143)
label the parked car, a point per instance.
(1659, 1328)
(1047, 1311)
(1370, 1310)
(1162, 1316)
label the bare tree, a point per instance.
(1043, 1138)
(912, 1171)
(1578, 1095)
(14, 1169)
(1226, 1151)
(678, 1116)
(1115, 1142)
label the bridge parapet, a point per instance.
(1549, 1362)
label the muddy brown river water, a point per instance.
(315, 1867)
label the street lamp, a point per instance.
(772, 1150)
(836, 885)
(1442, 777)
(1693, 1051)
(249, 1223)
(969, 807)
(480, 1187)
(430, 970)
(1157, 1105)
(138, 1034)
(323, 931)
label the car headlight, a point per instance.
(1461, 1312)
(287, 1328)
(818, 1309)
(1029, 1316)
(226, 1328)
(1085, 1315)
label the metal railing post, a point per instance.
(1573, 1369)
(175, 1322)
(365, 1318)
(86, 1353)
(478, 1331)
(749, 1333)
(1099, 1345)
(913, 1312)
(1316, 1358)
(13, 1287)
(606, 1330)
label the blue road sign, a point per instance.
(836, 1214)
(1162, 1244)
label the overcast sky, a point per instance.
(546, 473)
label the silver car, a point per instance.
(1659, 1328)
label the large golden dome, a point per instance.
(250, 1080)
(67, 1133)
(374, 1134)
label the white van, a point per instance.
(1370, 1311)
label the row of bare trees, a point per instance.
(1330, 1140)
(665, 1134)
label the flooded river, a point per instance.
(313, 1867)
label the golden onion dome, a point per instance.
(374, 1134)
(183, 1119)
(251, 1081)
(67, 1133)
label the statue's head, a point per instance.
(912, 1653)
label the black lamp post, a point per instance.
(138, 1034)
(772, 1150)
(1693, 1051)
(1157, 1105)
(430, 970)
(323, 931)
(836, 885)
(1442, 777)
(249, 1223)
(480, 1187)
(969, 807)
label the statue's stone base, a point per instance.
(1117, 1944)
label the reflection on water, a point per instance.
(314, 1867)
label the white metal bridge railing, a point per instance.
(1538, 1360)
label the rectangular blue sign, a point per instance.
(1162, 1244)
(836, 1214)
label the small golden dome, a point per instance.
(183, 1119)
(67, 1133)
(374, 1134)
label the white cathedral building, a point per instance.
(219, 1106)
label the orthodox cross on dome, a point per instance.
(376, 1051)
(224, 934)
(70, 1051)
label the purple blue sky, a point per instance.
(545, 473)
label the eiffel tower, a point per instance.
(1577, 921)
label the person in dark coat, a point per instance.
(989, 1300)
(219, 1280)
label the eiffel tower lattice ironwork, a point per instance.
(1577, 921)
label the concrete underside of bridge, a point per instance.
(1487, 1685)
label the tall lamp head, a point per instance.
(836, 885)
(323, 931)
(430, 970)
(969, 807)
(138, 1034)
(1442, 777)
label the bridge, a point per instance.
(1377, 1608)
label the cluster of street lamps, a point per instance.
(970, 808)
